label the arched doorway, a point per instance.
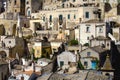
(118, 9)
(3, 54)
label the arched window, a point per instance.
(87, 29)
(60, 19)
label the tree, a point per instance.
(73, 42)
(80, 66)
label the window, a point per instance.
(60, 19)
(28, 12)
(87, 38)
(107, 44)
(9, 41)
(87, 15)
(63, 5)
(74, 16)
(68, 16)
(61, 63)
(100, 30)
(50, 18)
(43, 18)
(86, 64)
(87, 29)
(88, 54)
(15, 2)
(15, 10)
(27, 2)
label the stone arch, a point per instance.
(3, 54)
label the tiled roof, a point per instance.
(98, 49)
(101, 38)
(93, 21)
(95, 76)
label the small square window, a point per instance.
(9, 41)
(88, 54)
(100, 30)
(86, 63)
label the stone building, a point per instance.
(89, 30)
(65, 58)
(66, 17)
(91, 56)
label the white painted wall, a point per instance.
(92, 53)
(66, 57)
(78, 12)
(93, 31)
(9, 42)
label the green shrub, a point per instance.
(86, 44)
(73, 42)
